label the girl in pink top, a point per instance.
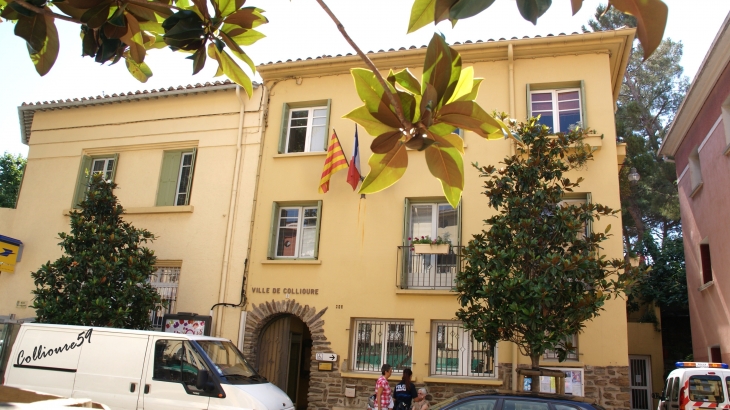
(382, 388)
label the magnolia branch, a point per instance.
(143, 3)
(45, 11)
(407, 125)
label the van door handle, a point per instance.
(146, 388)
(132, 387)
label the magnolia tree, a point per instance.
(537, 274)
(416, 115)
(103, 278)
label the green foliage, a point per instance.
(431, 110)
(11, 175)
(126, 29)
(535, 276)
(665, 283)
(103, 277)
(650, 16)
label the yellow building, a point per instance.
(330, 291)
(185, 162)
(329, 273)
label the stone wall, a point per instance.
(609, 386)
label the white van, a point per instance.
(696, 385)
(135, 369)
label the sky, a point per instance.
(300, 29)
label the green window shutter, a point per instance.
(82, 180)
(589, 224)
(273, 228)
(327, 126)
(406, 250)
(458, 222)
(319, 225)
(114, 166)
(168, 178)
(190, 177)
(583, 111)
(529, 102)
(284, 128)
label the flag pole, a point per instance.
(338, 141)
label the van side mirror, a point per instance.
(657, 396)
(201, 382)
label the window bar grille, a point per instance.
(431, 271)
(457, 353)
(378, 342)
(165, 280)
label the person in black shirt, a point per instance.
(405, 391)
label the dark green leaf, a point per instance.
(96, 16)
(468, 8)
(44, 60)
(32, 30)
(437, 67)
(198, 60)
(532, 9)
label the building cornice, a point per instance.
(709, 72)
(617, 44)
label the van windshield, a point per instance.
(706, 388)
(229, 362)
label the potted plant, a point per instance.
(426, 245)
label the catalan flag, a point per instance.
(334, 162)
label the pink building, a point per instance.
(699, 141)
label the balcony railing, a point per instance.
(428, 271)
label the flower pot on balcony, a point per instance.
(427, 248)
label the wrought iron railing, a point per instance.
(457, 353)
(165, 281)
(428, 270)
(383, 341)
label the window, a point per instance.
(377, 342)
(715, 354)
(177, 362)
(525, 405)
(456, 353)
(432, 219)
(695, 170)
(706, 388)
(706, 263)
(165, 280)
(577, 200)
(295, 230)
(476, 404)
(176, 178)
(304, 127)
(573, 382)
(559, 105)
(106, 164)
(570, 341)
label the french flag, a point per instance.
(353, 173)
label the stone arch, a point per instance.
(260, 315)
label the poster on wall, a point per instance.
(187, 324)
(573, 382)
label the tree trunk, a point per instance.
(535, 385)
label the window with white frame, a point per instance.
(380, 341)
(295, 231)
(307, 129)
(165, 280)
(176, 177)
(455, 352)
(570, 342)
(695, 170)
(105, 166)
(558, 109)
(183, 180)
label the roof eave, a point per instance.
(712, 66)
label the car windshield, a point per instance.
(228, 361)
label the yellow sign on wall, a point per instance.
(9, 252)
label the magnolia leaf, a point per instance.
(437, 67)
(238, 52)
(470, 116)
(441, 11)
(371, 92)
(422, 14)
(405, 79)
(248, 17)
(96, 16)
(83, 4)
(651, 19)
(141, 13)
(213, 53)
(183, 4)
(234, 72)
(44, 59)
(468, 8)
(134, 40)
(576, 5)
(453, 78)
(226, 7)
(471, 96)
(409, 104)
(248, 37)
(448, 141)
(202, 9)
(608, 228)
(158, 8)
(198, 60)
(66, 8)
(140, 71)
(385, 170)
(464, 86)
(383, 143)
(441, 129)
(154, 27)
(532, 9)
(33, 31)
(362, 116)
(446, 164)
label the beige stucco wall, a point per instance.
(356, 269)
(139, 132)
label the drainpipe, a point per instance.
(231, 215)
(512, 113)
(511, 81)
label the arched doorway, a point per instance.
(285, 353)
